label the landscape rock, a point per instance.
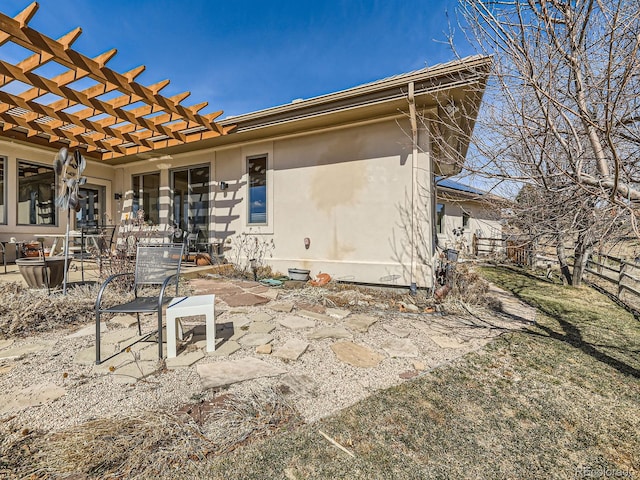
(338, 313)
(261, 327)
(264, 349)
(400, 348)
(219, 374)
(297, 323)
(291, 350)
(446, 342)
(30, 396)
(255, 339)
(329, 332)
(225, 349)
(321, 317)
(356, 355)
(360, 323)
(398, 332)
(285, 307)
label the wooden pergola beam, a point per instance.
(160, 122)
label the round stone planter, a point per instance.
(42, 273)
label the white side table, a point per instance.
(181, 307)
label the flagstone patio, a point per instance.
(264, 337)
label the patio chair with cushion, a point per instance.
(157, 267)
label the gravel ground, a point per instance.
(92, 393)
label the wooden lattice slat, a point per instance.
(158, 123)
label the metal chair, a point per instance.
(3, 252)
(156, 266)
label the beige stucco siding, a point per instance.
(345, 190)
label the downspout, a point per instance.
(414, 184)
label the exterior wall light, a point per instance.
(224, 185)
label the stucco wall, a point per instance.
(348, 190)
(483, 222)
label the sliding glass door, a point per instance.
(190, 203)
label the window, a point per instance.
(3, 210)
(440, 218)
(257, 178)
(465, 219)
(146, 197)
(36, 194)
(91, 206)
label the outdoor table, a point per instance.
(181, 307)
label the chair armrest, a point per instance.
(165, 284)
(106, 283)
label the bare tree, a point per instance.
(561, 113)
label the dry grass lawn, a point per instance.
(559, 399)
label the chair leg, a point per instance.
(160, 333)
(98, 361)
(139, 326)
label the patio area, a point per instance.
(321, 348)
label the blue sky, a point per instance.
(243, 56)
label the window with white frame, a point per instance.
(257, 189)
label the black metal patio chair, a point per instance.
(156, 268)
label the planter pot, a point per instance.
(299, 274)
(42, 273)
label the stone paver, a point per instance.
(121, 335)
(264, 349)
(89, 330)
(300, 384)
(17, 352)
(285, 307)
(446, 341)
(240, 321)
(245, 299)
(5, 343)
(360, 323)
(297, 323)
(356, 355)
(400, 348)
(329, 332)
(272, 294)
(260, 317)
(185, 359)
(6, 368)
(261, 327)
(30, 396)
(398, 332)
(291, 350)
(219, 374)
(338, 313)
(255, 339)
(134, 371)
(225, 349)
(321, 317)
(125, 321)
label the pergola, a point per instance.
(54, 112)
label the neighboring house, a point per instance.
(466, 217)
(341, 183)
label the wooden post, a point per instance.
(620, 277)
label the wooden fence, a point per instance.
(517, 250)
(618, 276)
